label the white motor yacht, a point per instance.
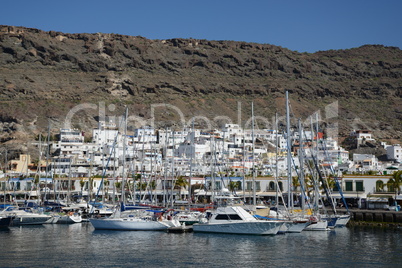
(25, 217)
(236, 220)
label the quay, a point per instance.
(374, 216)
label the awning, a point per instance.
(377, 200)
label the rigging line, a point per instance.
(310, 168)
(324, 183)
(301, 184)
(134, 168)
(335, 177)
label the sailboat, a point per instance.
(136, 220)
(294, 223)
(235, 219)
(334, 220)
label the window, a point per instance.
(271, 185)
(379, 186)
(280, 186)
(258, 186)
(249, 186)
(348, 185)
(359, 186)
(335, 187)
(218, 185)
(228, 217)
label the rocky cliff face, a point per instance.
(43, 75)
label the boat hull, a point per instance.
(31, 220)
(296, 227)
(69, 219)
(250, 228)
(342, 221)
(128, 224)
(321, 225)
(5, 222)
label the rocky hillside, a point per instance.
(43, 75)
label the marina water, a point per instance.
(79, 245)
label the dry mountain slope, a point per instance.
(45, 74)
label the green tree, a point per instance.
(118, 185)
(331, 182)
(395, 181)
(152, 185)
(142, 186)
(309, 182)
(295, 183)
(181, 182)
(82, 183)
(233, 186)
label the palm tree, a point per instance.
(295, 183)
(331, 182)
(180, 183)
(82, 183)
(395, 181)
(233, 186)
(309, 182)
(142, 186)
(118, 185)
(105, 187)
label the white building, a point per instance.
(394, 152)
(365, 162)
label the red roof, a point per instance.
(320, 135)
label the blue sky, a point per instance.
(304, 26)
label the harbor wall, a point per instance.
(375, 216)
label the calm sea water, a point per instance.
(79, 245)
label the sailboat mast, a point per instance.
(244, 168)
(192, 152)
(165, 164)
(173, 175)
(276, 159)
(289, 156)
(69, 183)
(314, 156)
(301, 166)
(38, 169)
(213, 150)
(47, 161)
(253, 140)
(124, 158)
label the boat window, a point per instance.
(228, 217)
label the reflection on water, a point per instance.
(79, 245)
